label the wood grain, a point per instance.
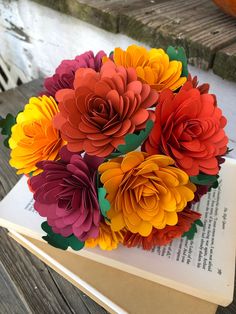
(225, 62)
(26, 284)
(75, 299)
(197, 25)
(31, 278)
(10, 299)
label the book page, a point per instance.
(17, 211)
(203, 267)
(215, 219)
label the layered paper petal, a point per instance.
(144, 192)
(103, 108)
(107, 239)
(189, 127)
(65, 193)
(65, 72)
(164, 236)
(33, 136)
(152, 66)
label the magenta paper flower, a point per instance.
(65, 193)
(65, 72)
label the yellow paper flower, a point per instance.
(107, 240)
(152, 67)
(144, 192)
(33, 136)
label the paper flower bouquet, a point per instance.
(118, 148)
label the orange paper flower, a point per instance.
(103, 108)
(164, 236)
(107, 239)
(144, 191)
(33, 136)
(152, 67)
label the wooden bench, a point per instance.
(207, 34)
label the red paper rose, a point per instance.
(65, 72)
(65, 193)
(164, 236)
(103, 108)
(203, 89)
(189, 128)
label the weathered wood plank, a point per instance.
(13, 101)
(10, 300)
(225, 62)
(40, 288)
(198, 25)
(102, 13)
(75, 297)
(37, 283)
(94, 12)
(43, 290)
(31, 89)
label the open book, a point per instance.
(203, 267)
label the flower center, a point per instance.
(193, 128)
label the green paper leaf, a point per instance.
(56, 242)
(75, 243)
(59, 241)
(103, 202)
(214, 185)
(133, 141)
(178, 53)
(5, 127)
(193, 230)
(204, 179)
(199, 222)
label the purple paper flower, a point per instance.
(65, 72)
(65, 193)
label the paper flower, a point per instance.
(33, 136)
(107, 240)
(144, 192)
(65, 193)
(103, 108)
(200, 191)
(189, 128)
(164, 236)
(65, 72)
(203, 89)
(152, 67)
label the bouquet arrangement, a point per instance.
(117, 149)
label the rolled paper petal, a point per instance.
(102, 108)
(144, 192)
(33, 136)
(107, 239)
(152, 66)
(159, 237)
(65, 193)
(65, 72)
(189, 127)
